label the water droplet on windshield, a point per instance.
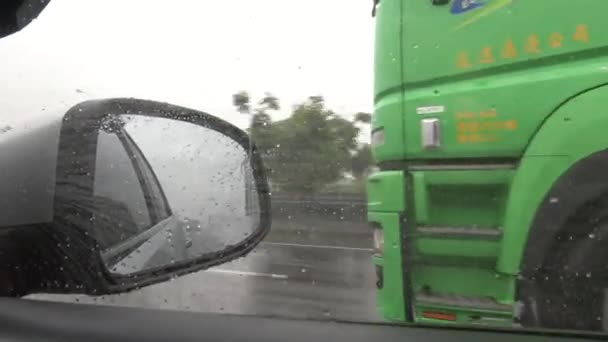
(591, 236)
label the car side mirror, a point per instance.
(146, 191)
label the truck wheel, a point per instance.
(570, 290)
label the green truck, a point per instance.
(489, 130)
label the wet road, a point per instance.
(306, 268)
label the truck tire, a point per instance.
(570, 290)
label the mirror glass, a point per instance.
(167, 191)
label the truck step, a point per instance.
(461, 302)
(460, 233)
(486, 263)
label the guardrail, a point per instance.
(339, 206)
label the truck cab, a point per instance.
(488, 131)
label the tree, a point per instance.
(365, 118)
(262, 121)
(241, 101)
(269, 102)
(309, 150)
(260, 125)
(313, 148)
(362, 160)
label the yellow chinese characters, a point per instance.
(481, 127)
(509, 50)
(533, 44)
(581, 34)
(556, 40)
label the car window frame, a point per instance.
(114, 138)
(161, 209)
(146, 179)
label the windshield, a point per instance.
(439, 162)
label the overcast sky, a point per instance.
(194, 53)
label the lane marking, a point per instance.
(316, 246)
(248, 273)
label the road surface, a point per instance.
(308, 267)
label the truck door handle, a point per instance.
(429, 131)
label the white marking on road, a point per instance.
(317, 246)
(247, 273)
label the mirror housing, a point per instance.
(46, 211)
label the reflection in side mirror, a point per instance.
(158, 190)
(167, 191)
